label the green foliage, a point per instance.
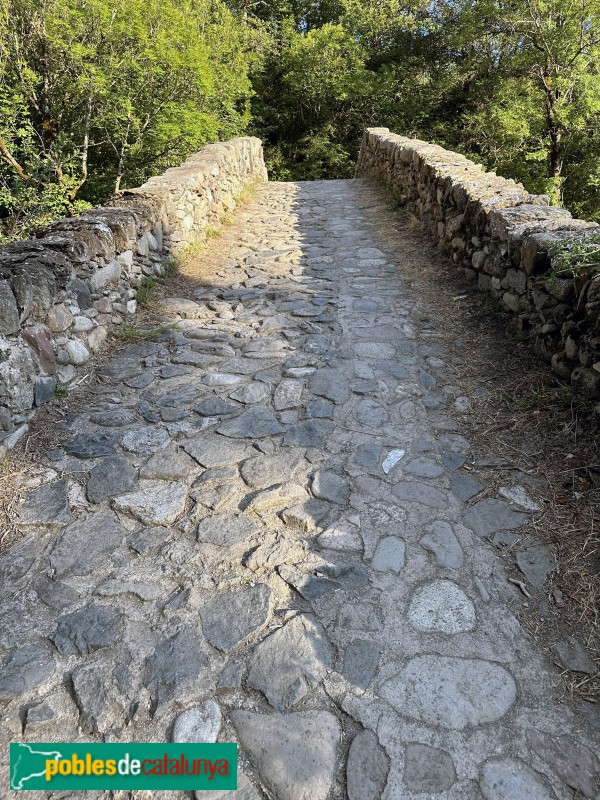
(99, 94)
(575, 254)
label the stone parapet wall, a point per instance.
(61, 292)
(502, 237)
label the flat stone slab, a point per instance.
(422, 493)
(573, 656)
(85, 545)
(536, 563)
(264, 470)
(112, 476)
(88, 629)
(389, 555)
(254, 423)
(428, 769)
(360, 663)
(451, 693)
(489, 516)
(146, 440)
(331, 384)
(465, 487)
(217, 451)
(294, 754)
(367, 768)
(330, 486)
(229, 616)
(176, 663)
(290, 662)
(155, 502)
(342, 536)
(225, 530)
(92, 445)
(442, 607)
(26, 669)
(442, 542)
(201, 724)
(170, 464)
(509, 779)
(575, 764)
(46, 506)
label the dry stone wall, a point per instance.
(502, 237)
(61, 292)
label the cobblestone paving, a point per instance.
(274, 545)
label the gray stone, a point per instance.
(573, 656)
(442, 607)
(319, 409)
(254, 392)
(427, 769)
(370, 414)
(308, 433)
(225, 530)
(9, 313)
(331, 384)
(536, 563)
(59, 318)
(465, 486)
(111, 477)
(288, 394)
(489, 516)
(155, 502)
(519, 497)
(276, 497)
(90, 697)
(44, 391)
(509, 779)
(361, 660)
(441, 541)
(170, 464)
(251, 424)
(367, 768)
(92, 445)
(452, 460)
(329, 486)
(198, 724)
(231, 615)
(77, 352)
(179, 397)
(90, 628)
(146, 440)
(306, 516)
(290, 662)
(424, 467)
(55, 594)
(26, 669)
(147, 539)
(423, 493)
(366, 617)
(46, 506)
(232, 674)
(85, 545)
(342, 536)
(175, 664)
(389, 555)
(215, 407)
(294, 754)
(451, 693)
(574, 763)
(263, 471)
(392, 458)
(113, 419)
(217, 451)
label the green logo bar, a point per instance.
(66, 765)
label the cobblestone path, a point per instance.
(275, 546)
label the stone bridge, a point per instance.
(265, 522)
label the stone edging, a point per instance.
(61, 293)
(501, 236)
